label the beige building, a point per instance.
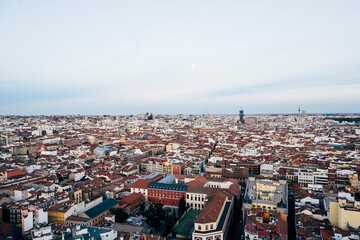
(153, 165)
(354, 181)
(3, 177)
(167, 168)
(172, 147)
(266, 194)
(78, 196)
(345, 211)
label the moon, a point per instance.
(193, 65)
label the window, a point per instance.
(199, 227)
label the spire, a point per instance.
(281, 204)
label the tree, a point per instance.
(182, 206)
(154, 214)
(151, 218)
(159, 210)
(142, 207)
(175, 218)
(120, 214)
(169, 222)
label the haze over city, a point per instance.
(169, 57)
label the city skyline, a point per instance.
(204, 57)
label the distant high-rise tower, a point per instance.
(303, 113)
(241, 116)
(299, 111)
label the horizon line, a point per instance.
(192, 114)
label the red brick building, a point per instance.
(176, 168)
(133, 200)
(167, 194)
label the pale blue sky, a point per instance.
(179, 56)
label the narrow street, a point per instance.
(291, 213)
(236, 229)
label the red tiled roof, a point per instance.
(141, 183)
(77, 219)
(212, 209)
(199, 181)
(131, 198)
(16, 172)
(326, 234)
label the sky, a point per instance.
(179, 56)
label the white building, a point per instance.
(28, 221)
(49, 153)
(266, 169)
(309, 200)
(305, 177)
(315, 188)
(320, 178)
(83, 206)
(218, 184)
(196, 197)
(44, 233)
(31, 168)
(140, 186)
(87, 232)
(77, 176)
(20, 194)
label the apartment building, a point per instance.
(214, 220)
